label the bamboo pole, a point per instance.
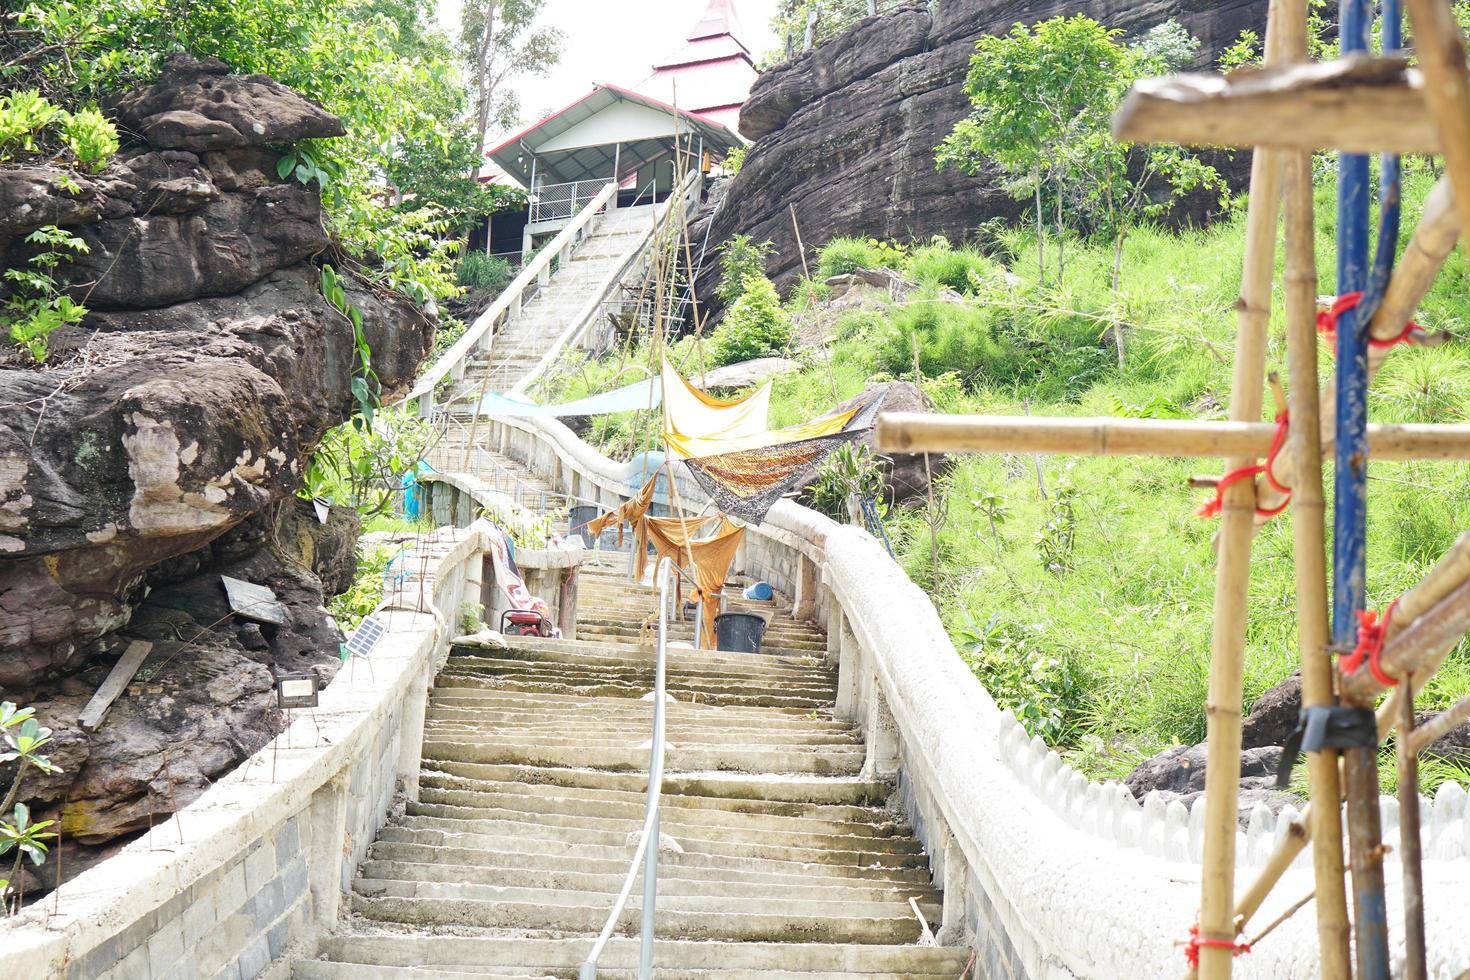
(1441, 51)
(1309, 543)
(1413, 275)
(1440, 725)
(1418, 650)
(910, 432)
(1410, 850)
(1232, 573)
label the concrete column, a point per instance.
(836, 622)
(953, 930)
(849, 664)
(326, 827)
(880, 733)
(411, 727)
(804, 603)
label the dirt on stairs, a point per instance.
(785, 860)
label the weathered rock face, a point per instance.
(846, 132)
(162, 444)
(905, 476)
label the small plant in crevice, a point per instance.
(24, 738)
(365, 383)
(32, 305)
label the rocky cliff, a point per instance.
(846, 132)
(163, 442)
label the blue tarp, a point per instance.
(644, 394)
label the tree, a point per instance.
(1044, 99)
(500, 42)
(832, 18)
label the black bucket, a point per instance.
(580, 517)
(739, 632)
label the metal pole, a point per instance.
(1350, 526)
(655, 777)
(1410, 850)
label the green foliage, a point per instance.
(1044, 99)
(755, 325)
(852, 470)
(22, 115)
(1048, 694)
(964, 270)
(90, 136)
(842, 256)
(741, 259)
(1056, 540)
(499, 41)
(357, 603)
(734, 160)
(365, 384)
(32, 306)
(833, 18)
(481, 271)
(24, 738)
(363, 466)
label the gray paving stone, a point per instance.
(255, 958)
(165, 947)
(288, 842)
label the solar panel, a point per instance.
(365, 637)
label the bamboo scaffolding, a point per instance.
(1232, 572)
(1418, 650)
(1410, 849)
(1415, 272)
(1357, 104)
(1446, 90)
(1309, 543)
(911, 432)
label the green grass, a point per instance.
(1109, 658)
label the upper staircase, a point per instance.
(780, 855)
(520, 347)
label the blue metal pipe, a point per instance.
(1350, 514)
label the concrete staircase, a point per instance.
(787, 861)
(525, 341)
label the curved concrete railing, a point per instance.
(1046, 872)
(253, 872)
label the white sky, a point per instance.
(617, 41)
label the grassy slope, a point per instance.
(1110, 658)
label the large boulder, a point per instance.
(1274, 715)
(1181, 770)
(905, 475)
(164, 441)
(199, 105)
(846, 132)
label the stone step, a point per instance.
(770, 903)
(732, 696)
(761, 836)
(503, 953)
(787, 887)
(674, 923)
(748, 871)
(754, 758)
(790, 794)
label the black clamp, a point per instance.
(1327, 727)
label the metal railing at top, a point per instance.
(646, 854)
(559, 202)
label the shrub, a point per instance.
(950, 337)
(22, 114)
(754, 326)
(734, 160)
(32, 304)
(741, 259)
(842, 256)
(90, 136)
(480, 271)
(960, 269)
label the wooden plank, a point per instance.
(117, 681)
(1358, 104)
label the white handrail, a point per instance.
(530, 273)
(644, 854)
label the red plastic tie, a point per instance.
(1212, 507)
(1192, 948)
(1327, 322)
(1372, 631)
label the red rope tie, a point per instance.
(1212, 507)
(1372, 631)
(1327, 322)
(1192, 948)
